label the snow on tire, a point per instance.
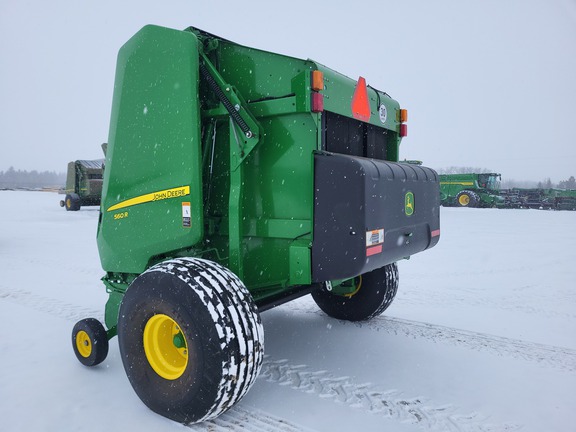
(191, 339)
(376, 291)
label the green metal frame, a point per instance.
(228, 132)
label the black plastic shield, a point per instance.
(369, 213)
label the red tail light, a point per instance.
(317, 102)
(403, 130)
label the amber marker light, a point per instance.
(403, 116)
(317, 80)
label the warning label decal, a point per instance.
(186, 216)
(374, 237)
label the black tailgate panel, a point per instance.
(369, 213)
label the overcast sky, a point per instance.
(488, 83)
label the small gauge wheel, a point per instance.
(90, 342)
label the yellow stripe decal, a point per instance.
(459, 183)
(154, 196)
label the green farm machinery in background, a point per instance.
(483, 190)
(471, 190)
(540, 198)
(83, 184)
(237, 180)
(565, 199)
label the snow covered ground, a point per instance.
(481, 337)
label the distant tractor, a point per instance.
(83, 184)
(471, 190)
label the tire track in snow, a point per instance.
(515, 267)
(243, 419)
(505, 304)
(48, 305)
(389, 404)
(236, 419)
(545, 355)
(60, 265)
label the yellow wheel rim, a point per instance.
(83, 344)
(165, 347)
(357, 288)
(464, 200)
(68, 203)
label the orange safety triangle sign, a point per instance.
(360, 103)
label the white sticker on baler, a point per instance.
(374, 237)
(186, 215)
(382, 113)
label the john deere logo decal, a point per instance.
(409, 203)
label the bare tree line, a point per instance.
(14, 179)
(22, 179)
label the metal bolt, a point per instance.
(249, 134)
(237, 107)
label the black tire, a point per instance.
(376, 291)
(214, 348)
(72, 202)
(90, 342)
(467, 198)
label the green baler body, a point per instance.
(84, 178)
(183, 179)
